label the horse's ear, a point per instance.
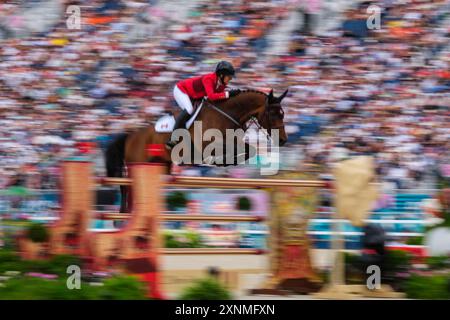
(280, 98)
(271, 94)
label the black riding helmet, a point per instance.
(224, 68)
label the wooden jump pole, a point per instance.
(191, 251)
(214, 182)
(184, 217)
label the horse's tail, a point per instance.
(115, 156)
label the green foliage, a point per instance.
(16, 223)
(396, 269)
(188, 239)
(206, 289)
(37, 232)
(351, 258)
(397, 260)
(122, 288)
(444, 200)
(176, 199)
(353, 271)
(170, 242)
(438, 262)
(10, 261)
(32, 288)
(324, 276)
(12, 266)
(62, 261)
(9, 243)
(446, 222)
(9, 236)
(244, 203)
(8, 256)
(428, 287)
(443, 182)
(195, 240)
(58, 264)
(415, 241)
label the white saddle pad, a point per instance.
(167, 122)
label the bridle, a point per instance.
(267, 115)
(253, 119)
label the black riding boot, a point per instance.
(179, 123)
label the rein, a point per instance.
(252, 119)
(226, 115)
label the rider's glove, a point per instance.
(234, 92)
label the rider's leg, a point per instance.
(184, 102)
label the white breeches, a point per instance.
(183, 100)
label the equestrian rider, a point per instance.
(211, 86)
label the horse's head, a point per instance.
(266, 108)
(273, 115)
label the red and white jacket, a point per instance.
(204, 86)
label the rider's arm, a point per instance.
(208, 84)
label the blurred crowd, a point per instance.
(385, 94)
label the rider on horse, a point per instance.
(211, 85)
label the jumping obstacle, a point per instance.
(285, 250)
(136, 248)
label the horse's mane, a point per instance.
(233, 101)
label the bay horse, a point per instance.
(233, 113)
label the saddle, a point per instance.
(167, 122)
